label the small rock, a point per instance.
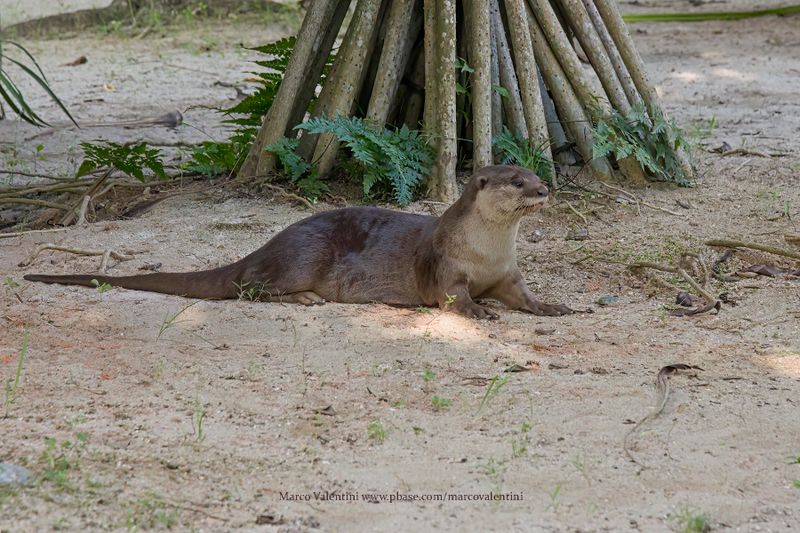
(14, 475)
(542, 331)
(536, 236)
(578, 234)
(608, 299)
(685, 299)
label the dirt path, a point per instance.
(340, 398)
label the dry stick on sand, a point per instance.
(725, 243)
(30, 232)
(662, 387)
(638, 200)
(78, 251)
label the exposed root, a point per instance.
(106, 254)
(725, 243)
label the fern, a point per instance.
(130, 159)
(300, 172)
(514, 149)
(246, 116)
(395, 160)
(648, 138)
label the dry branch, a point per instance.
(106, 254)
(726, 243)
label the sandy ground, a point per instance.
(340, 398)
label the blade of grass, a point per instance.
(702, 17)
(11, 100)
(44, 86)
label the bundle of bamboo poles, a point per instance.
(397, 64)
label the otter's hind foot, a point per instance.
(304, 298)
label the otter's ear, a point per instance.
(482, 181)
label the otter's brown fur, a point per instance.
(368, 254)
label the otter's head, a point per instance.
(505, 193)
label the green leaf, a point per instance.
(86, 167)
(502, 91)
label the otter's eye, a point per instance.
(518, 183)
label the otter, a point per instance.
(369, 254)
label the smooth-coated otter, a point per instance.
(368, 254)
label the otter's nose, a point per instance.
(542, 191)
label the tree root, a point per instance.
(106, 254)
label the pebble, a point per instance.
(14, 475)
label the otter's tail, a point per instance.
(216, 284)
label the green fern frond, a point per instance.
(397, 161)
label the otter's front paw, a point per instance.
(543, 309)
(473, 310)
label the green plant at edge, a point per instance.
(395, 161)
(514, 149)
(11, 387)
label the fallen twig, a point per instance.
(726, 243)
(585, 222)
(792, 239)
(107, 254)
(635, 199)
(287, 194)
(29, 232)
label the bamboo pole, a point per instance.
(593, 48)
(344, 82)
(478, 35)
(574, 117)
(635, 65)
(515, 117)
(497, 100)
(565, 54)
(398, 41)
(442, 185)
(532, 103)
(555, 131)
(613, 54)
(415, 103)
(431, 37)
(276, 121)
(309, 87)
